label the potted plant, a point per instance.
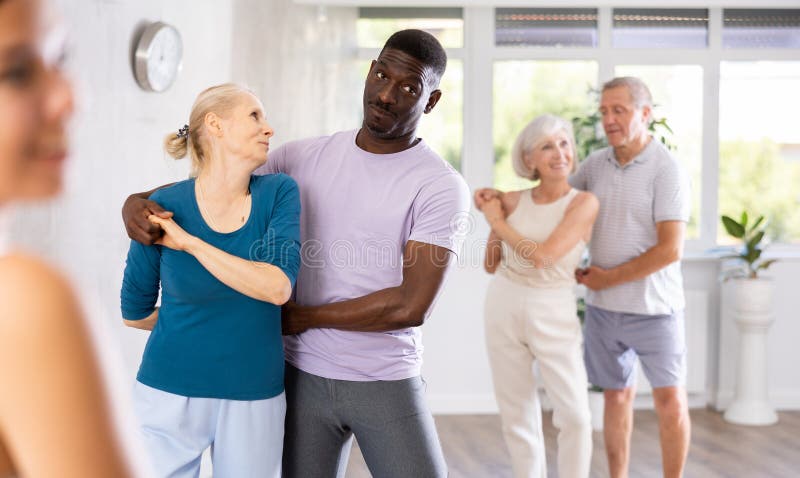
(752, 308)
(751, 249)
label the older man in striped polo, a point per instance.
(635, 293)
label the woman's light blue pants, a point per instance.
(245, 436)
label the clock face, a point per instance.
(158, 57)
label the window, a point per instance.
(443, 128)
(759, 145)
(726, 81)
(700, 90)
(660, 28)
(526, 89)
(767, 28)
(546, 27)
(375, 25)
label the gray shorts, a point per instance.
(389, 419)
(613, 340)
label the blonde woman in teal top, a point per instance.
(212, 370)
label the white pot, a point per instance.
(753, 301)
(596, 407)
(753, 310)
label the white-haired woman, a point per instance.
(538, 236)
(212, 371)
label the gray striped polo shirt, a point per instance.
(651, 188)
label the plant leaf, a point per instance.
(753, 255)
(734, 228)
(766, 264)
(744, 219)
(758, 253)
(753, 242)
(755, 224)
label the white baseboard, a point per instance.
(785, 399)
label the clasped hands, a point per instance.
(175, 237)
(489, 202)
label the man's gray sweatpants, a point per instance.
(390, 420)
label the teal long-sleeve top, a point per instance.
(210, 340)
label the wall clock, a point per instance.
(158, 55)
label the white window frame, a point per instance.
(480, 53)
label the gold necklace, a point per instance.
(208, 214)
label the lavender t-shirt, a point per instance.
(358, 211)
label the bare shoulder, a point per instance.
(511, 200)
(584, 202)
(32, 291)
(27, 270)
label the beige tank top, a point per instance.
(536, 222)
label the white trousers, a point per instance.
(245, 436)
(524, 324)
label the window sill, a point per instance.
(780, 252)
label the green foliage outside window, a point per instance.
(526, 89)
(753, 175)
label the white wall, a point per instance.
(117, 132)
(301, 65)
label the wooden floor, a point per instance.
(474, 447)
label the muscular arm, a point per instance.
(407, 305)
(667, 250)
(576, 224)
(54, 415)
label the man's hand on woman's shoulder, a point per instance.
(135, 213)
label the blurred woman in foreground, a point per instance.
(55, 418)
